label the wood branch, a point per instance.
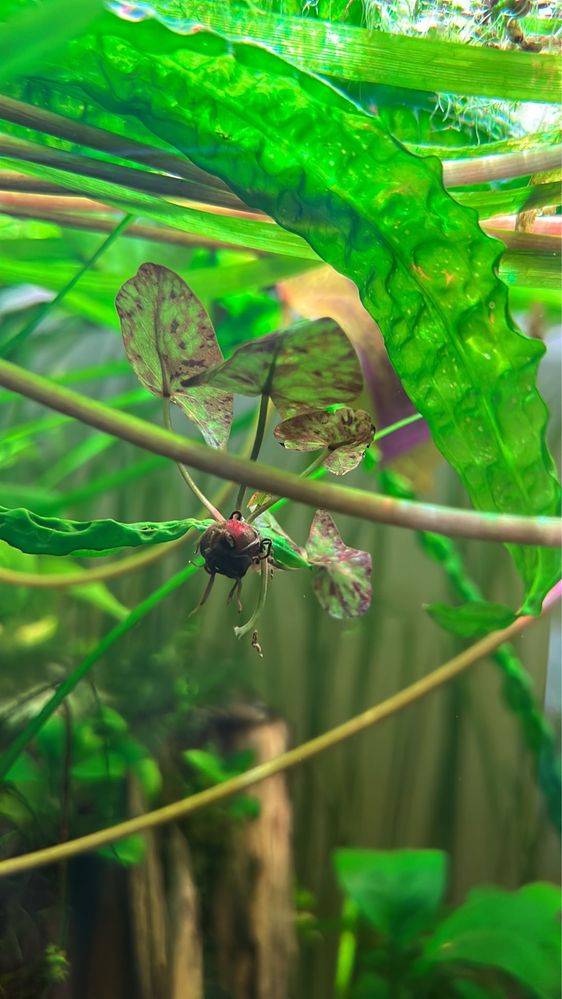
(254, 914)
(184, 929)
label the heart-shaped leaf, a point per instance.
(342, 575)
(169, 338)
(306, 366)
(398, 891)
(346, 432)
(517, 932)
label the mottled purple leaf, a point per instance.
(306, 366)
(166, 330)
(346, 432)
(342, 575)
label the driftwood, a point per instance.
(184, 932)
(253, 906)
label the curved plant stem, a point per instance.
(286, 761)
(386, 431)
(275, 502)
(260, 429)
(189, 481)
(8, 348)
(355, 502)
(8, 758)
(52, 581)
(249, 626)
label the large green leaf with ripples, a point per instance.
(290, 144)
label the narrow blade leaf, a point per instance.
(169, 338)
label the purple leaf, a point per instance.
(342, 575)
(169, 338)
(346, 432)
(307, 366)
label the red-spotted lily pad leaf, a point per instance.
(346, 432)
(342, 575)
(169, 338)
(306, 366)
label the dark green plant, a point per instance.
(496, 944)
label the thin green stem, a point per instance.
(274, 503)
(355, 502)
(286, 761)
(8, 348)
(189, 481)
(347, 949)
(386, 431)
(9, 757)
(260, 430)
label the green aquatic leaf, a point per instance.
(294, 147)
(33, 32)
(346, 432)
(476, 618)
(169, 338)
(52, 536)
(517, 932)
(310, 364)
(356, 53)
(342, 575)
(286, 553)
(398, 891)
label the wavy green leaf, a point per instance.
(347, 433)
(52, 536)
(292, 146)
(310, 364)
(169, 338)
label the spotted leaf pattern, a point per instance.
(346, 432)
(342, 575)
(168, 339)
